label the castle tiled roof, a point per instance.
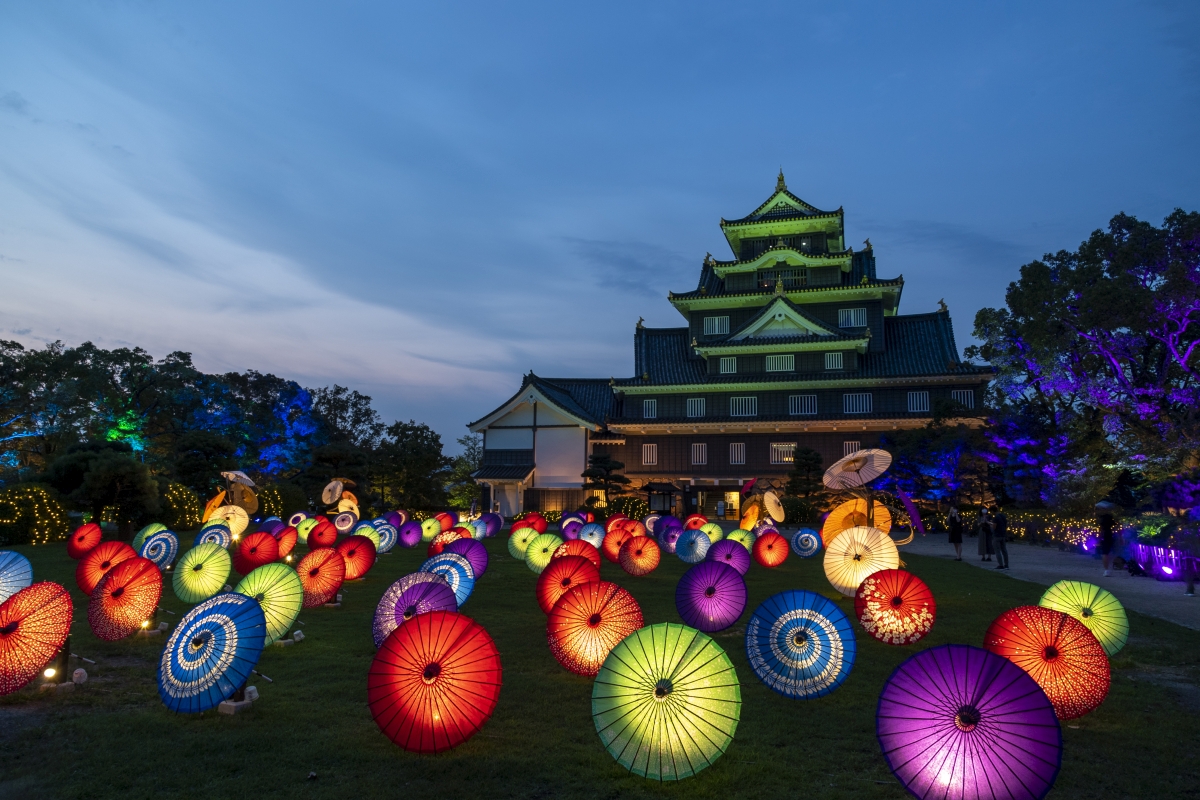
(862, 265)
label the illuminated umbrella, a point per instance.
(332, 492)
(430, 528)
(592, 533)
(295, 519)
(959, 722)
(857, 469)
(587, 622)
(34, 624)
(715, 532)
(806, 543)
(140, 538)
(750, 515)
(800, 644)
(387, 536)
(418, 593)
(518, 540)
(446, 519)
(124, 599)
(616, 537)
(321, 573)
(304, 526)
(711, 596)
(272, 525)
(855, 554)
(1096, 608)
(731, 553)
(479, 530)
(323, 534)
(853, 514)
(397, 517)
(743, 537)
(434, 682)
(201, 572)
(494, 523)
(561, 575)
(410, 533)
(345, 522)
(895, 606)
(634, 527)
(613, 521)
(472, 551)
(639, 556)
(99, 560)
(667, 702)
(578, 547)
(441, 540)
(773, 506)
(278, 590)
(457, 572)
(238, 477)
(359, 553)
(695, 521)
(213, 505)
(211, 653)
(532, 520)
(770, 550)
(1058, 652)
(161, 548)
(254, 551)
(692, 546)
(369, 531)
(214, 534)
(669, 536)
(570, 528)
(287, 538)
(234, 517)
(83, 539)
(15, 573)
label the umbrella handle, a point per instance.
(298, 622)
(81, 658)
(264, 677)
(167, 611)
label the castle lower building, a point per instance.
(794, 342)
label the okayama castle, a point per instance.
(793, 342)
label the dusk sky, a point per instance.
(426, 201)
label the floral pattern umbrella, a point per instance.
(211, 653)
(160, 547)
(578, 547)
(359, 553)
(99, 560)
(666, 702)
(84, 538)
(692, 546)
(1096, 608)
(770, 550)
(895, 606)
(201, 572)
(15, 573)
(540, 550)
(457, 572)
(321, 574)
(639, 556)
(474, 552)
(125, 597)
(855, 554)
(563, 574)
(711, 596)
(588, 621)
(731, 553)
(959, 722)
(34, 624)
(800, 644)
(806, 543)
(418, 593)
(278, 590)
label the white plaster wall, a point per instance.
(560, 456)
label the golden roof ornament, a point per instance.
(942, 306)
(867, 242)
(779, 286)
(780, 184)
(641, 322)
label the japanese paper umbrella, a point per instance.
(857, 469)
(540, 550)
(853, 514)
(144, 533)
(578, 547)
(610, 548)
(692, 546)
(161, 547)
(639, 556)
(321, 573)
(359, 552)
(806, 543)
(34, 624)
(434, 682)
(1096, 608)
(323, 534)
(15, 573)
(201, 572)
(593, 533)
(99, 560)
(278, 590)
(800, 644)
(255, 550)
(234, 517)
(211, 653)
(474, 552)
(124, 598)
(287, 537)
(855, 554)
(83, 539)
(959, 722)
(561, 575)
(368, 531)
(418, 593)
(441, 540)
(711, 596)
(410, 533)
(518, 540)
(588, 621)
(895, 606)
(457, 572)
(731, 553)
(1058, 652)
(666, 702)
(770, 549)
(214, 534)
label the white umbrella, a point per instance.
(857, 469)
(237, 476)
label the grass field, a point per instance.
(113, 737)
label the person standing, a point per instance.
(984, 528)
(1000, 537)
(955, 525)
(1106, 541)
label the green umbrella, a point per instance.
(144, 533)
(666, 702)
(201, 572)
(519, 540)
(303, 528)
(714, 531)
(368, 530)
(743, 537)
(278, 590)
(1096, 608)
(540, 550)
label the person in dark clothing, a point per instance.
(1000, 537)
(954, 523)
(1106, 541)
(984, 527)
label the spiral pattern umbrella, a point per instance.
(711, 596)
(457, 572)
(34, 624)
(959, 722)
(1096, 608)
(616, 537)
(430, 528)
(214, 534)
(639, 556)
(211, 653)
(84, 538)
(418, 593)
(692, 546)
(321, 574)
(1058, 652)
(15, 573)
(587, 622)
(255, 550)
(578, 547)
(474, 552)
(855, 554)
(895, 606)
(593, 533)
(201, 572)
(800, 644)
(359, 553)
(160, 547)
(410, 534)
(441, 540)
(99, 560)
(141, 536)
(286, 537)
(770, 550)
(519, 540)
(434, 682)
(562, 575)
(806, 543)
(666, 702)
(125, 597)
(278, 590)
(388, 536)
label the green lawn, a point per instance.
(113, 737)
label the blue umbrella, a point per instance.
(800, 644)
(457, 572)
(15, 573)
(806, 543)
(211, 653)
(387, 534)
(692, 546)
(214, 534)
(160, 547)
(593, 534)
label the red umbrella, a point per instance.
(359, 552)
(83, 539)
(124, 598)
(561, 575)
(321, 574)
(639, 556)
(99, 560)
(323, 534)
(434, 682)
(531, 520)
(34, 624)
(588, 621)
(578, 547)
(445, 520)
(441, 540)
(895, 606)
(695, 521)
(287, 538)
(614, 521)
(770, 549)
(254, 551)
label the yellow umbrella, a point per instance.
(234, 517)
(853, 514)
(214, 504)
(857, 553)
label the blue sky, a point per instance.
(426, 201)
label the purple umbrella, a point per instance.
(731, 552)
(394, 519)
(410, 533)
(957, 721)
(406, 598)
(711, 596)
(570, 527)
(668, 535)
(473, 551)
(494, 523)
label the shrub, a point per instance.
(632, 507)
(281, 499)
(181, 507)
(799, 512)
(31, 514)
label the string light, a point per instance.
(30, 513)
(183, 506)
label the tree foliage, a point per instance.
(461, 487)
(604, 473)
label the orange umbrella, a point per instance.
(770, 549)
(639, 556)
(588, 621)
(213, 505)
(359, 552)
(287, 538)
(617, 536)
(254, 551)
(34, 624)
(321, 574)
(561, 575)
(83, 539)
(853, 514)
(124, 599)
(99, 560)
(578, 547)
(614, 521)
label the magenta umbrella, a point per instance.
(711, 596)
(731, 552)
(473, 551)
(959, 722)
(410, 533)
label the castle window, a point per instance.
(743, 406)
(695, 407)
(852, 318)
(737, 452)
(649, 409)
(966, 397)
(783, 452)
(699, 453)
(781, 363)
(728, 365)
(716, 326)
(649, 455)
(918, 402)
(857, 403)
(802, 404)
(850, 448)
(833, 361)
